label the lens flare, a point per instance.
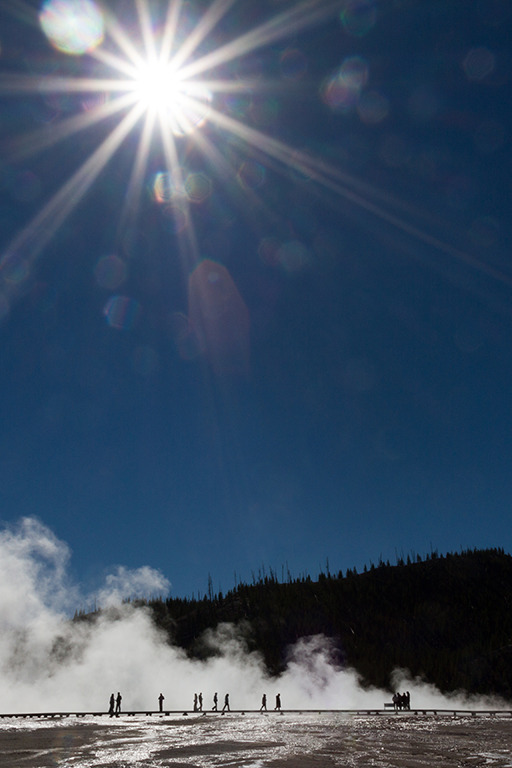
(342, 90)
(177, 218)
(373, 107)
(294, 256)
(478, 63)
(198, 187)
(163, 187)
(251, 174)
(220, 318)
(121, 312)
(110, 272)
(72, 26)
(358, 16)
(293, 64)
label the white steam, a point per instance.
(48, 663)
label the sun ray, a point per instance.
(171, 25)
(13, 84)
(249, 201)
(35, 235)
(170, 152)
(239, 86)
(288, 156)
(115, 62)
(118, 34)
(148, 37)
(283, 25)
(187, 240)
(138, 171)
(208, 21)
(40, 139)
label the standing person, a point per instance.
(195, 702)
(200, 702)
(112, 704)
(263, 703)
(118, 704)
(226, 703)
(161, 702)
(278, 702)
(215, 702)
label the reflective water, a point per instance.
(259, 741)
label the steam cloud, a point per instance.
(51, 664)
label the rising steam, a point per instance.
(49, 663)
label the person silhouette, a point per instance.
(278, 702)
(226, 703)
(195, 702)
(161, 702)
(119, 698)
(112, 704)
(200, 702)
(263, 703)
(215, 702)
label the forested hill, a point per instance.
(446, 618)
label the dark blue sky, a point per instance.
(374, 414)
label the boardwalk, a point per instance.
(271, 713)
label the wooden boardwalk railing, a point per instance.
(187, 712)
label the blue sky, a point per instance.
(334, 382)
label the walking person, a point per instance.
(278, 702)
(119, 699)
(215, 702)
(161, 702)
(112, 704)
(263, 703)
(195, 702)
(226, 703)
(200, 699)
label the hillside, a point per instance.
(446, 618)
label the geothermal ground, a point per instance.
(259, 741)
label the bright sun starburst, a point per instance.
(164, 83)
(159, 82)
(159, 89)
(157, 86)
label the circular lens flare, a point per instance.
(72, 26)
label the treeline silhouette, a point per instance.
(445, 618)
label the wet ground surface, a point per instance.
(260, 741)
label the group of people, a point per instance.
(216, 703)
(277, 707)
(402, 700)
(115, 703)
(198, 702)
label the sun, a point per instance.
(178, 104)
(157, 87)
